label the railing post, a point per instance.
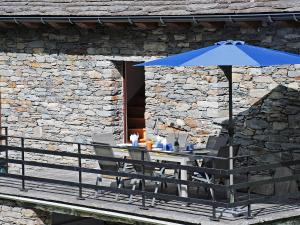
(212, 190)
(6, 143)
(79, 173)
(143, 181)
(249, 215)
(23, 165)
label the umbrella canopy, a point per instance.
(227, 54)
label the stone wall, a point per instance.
(11, 213)
(66, 84)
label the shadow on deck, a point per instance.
(164, 212)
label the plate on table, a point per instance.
(142, 144)
(124, 145)
(200, 151)
(157, 149)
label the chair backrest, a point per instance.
(216, 142)
(105, 150)
(171, 138)
(105, 138)
(182, 139)
(136, 154)
(224, 153)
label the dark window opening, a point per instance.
(134, 101)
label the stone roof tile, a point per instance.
(142, 7)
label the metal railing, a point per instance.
(78, 156)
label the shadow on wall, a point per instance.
(271, 124)
(131, 41)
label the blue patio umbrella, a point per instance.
(226, 54)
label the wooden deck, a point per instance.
(171, 212)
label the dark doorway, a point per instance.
(134, 100)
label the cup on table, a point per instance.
(135, 143)
(169, 147)
(190, 147)
(149, 144)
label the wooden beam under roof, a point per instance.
(58, 25)
(249, 24)
(178, 25)
(8, 25)
(86, 25)
(116, 26)
(288, 23)
(31, 25)
(212, 25)
(146, 26)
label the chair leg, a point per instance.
(155, 191)
(133, 188)
(178, 189)
(98, 181)
(120, 182)
(178, 185)
(210, 189)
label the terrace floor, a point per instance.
(170, 212)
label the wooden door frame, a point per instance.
(124, 89)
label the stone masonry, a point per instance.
(67, 84)
(11, 213)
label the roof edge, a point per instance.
(235, 17)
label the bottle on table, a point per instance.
(176, 145)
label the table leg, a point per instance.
(183, 176)
(183, 188)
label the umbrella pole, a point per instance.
(228, 73)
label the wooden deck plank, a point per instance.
(165, 211)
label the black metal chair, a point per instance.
(214, 143)
(135, 154)
(216, 163)
(105, 150)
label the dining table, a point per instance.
(184, 158)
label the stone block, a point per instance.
(181, 107)
(258, 93)
(262, 79)
(28, 213)
(282, 188)
(192, 123)
(179, 37)
(294, 121)
(280, 125)
(208, 104)
(265, 189)
(255, 71)
(293, 73)
(257, 123)
(155, 46)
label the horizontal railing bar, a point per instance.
(143, 149)
(120, 190)
(262, 182)
(121, 174)
(41, 139)
(114, 159)
(156, 164)
(263, 199)
(264, 167)
(266, 153)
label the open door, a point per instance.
(134, 101)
